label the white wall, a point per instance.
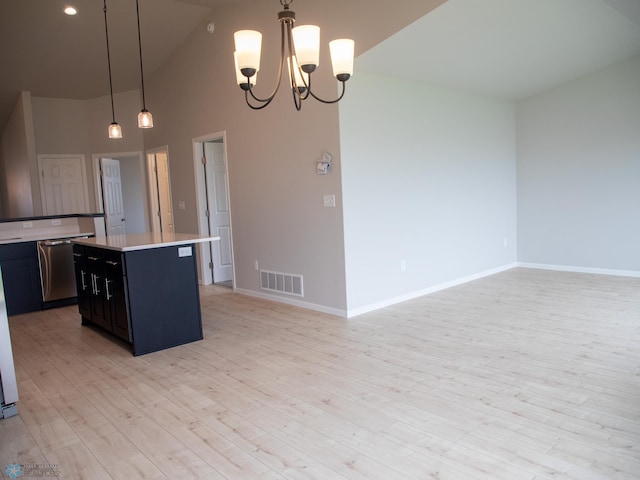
(579, 172)
(428, 176)
(19, 158)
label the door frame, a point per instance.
(200, 209)
(97, 180)
(152, 188)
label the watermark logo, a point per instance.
(13, 470)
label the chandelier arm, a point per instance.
(255, 107)
(284, 27)
(297, 99)
(329, 101)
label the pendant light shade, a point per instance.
(145, 119)
(115, 131)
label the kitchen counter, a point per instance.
(41, 236)
(142, 288)
(143, 241)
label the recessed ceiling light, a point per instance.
(70, 10)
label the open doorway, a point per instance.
(159, 182)
(214, 213)
(120, 192)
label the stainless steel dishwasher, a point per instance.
(56, 269)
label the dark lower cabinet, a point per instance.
(21, 277)
(100, 278)
(147, 297)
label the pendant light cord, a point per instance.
(106, 31)
(140, 50)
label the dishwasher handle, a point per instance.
(54, 243)
(59, 241)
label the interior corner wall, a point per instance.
(67, 126)
(18, 153)
(579, 172)
(428, 179)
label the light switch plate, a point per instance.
(185, 252)
(329, 200)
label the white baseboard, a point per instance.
(569, 268)
(419, 293)
(350, 313)
(296, 303)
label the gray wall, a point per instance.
(18, 159)
(276, 200)
(579, 172)
(428, 177)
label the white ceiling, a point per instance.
(509, 48)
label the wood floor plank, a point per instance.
(524, 375)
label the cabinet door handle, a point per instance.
(93, 258)
(96, 278)
(106, 285)
(112, 263)
(83, 283)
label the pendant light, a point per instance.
(115, 130)
(145, 119)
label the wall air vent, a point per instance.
(281, 282)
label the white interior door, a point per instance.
(112, 196)
(63, 185)
(218, 207)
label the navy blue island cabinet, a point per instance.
(144, 292)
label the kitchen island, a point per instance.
(143, 288)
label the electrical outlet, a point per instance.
(505, 242)
(56, 222)
(403, 265)
(27, 224)
(255, 265)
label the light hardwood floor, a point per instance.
(524, 375)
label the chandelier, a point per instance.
(300, 50)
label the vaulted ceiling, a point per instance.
(506, 48)
(54, 55)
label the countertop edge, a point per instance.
(100, 242)
(43, 236)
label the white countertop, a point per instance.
(41, 236)
(143, 241)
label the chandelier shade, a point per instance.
(248, 49)
(306, 39)
(300, 50)
(342, 57)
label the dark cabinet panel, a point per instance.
(116, 295)
(101, 289)
(163, 297)
(83, 281)
(21, 277)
